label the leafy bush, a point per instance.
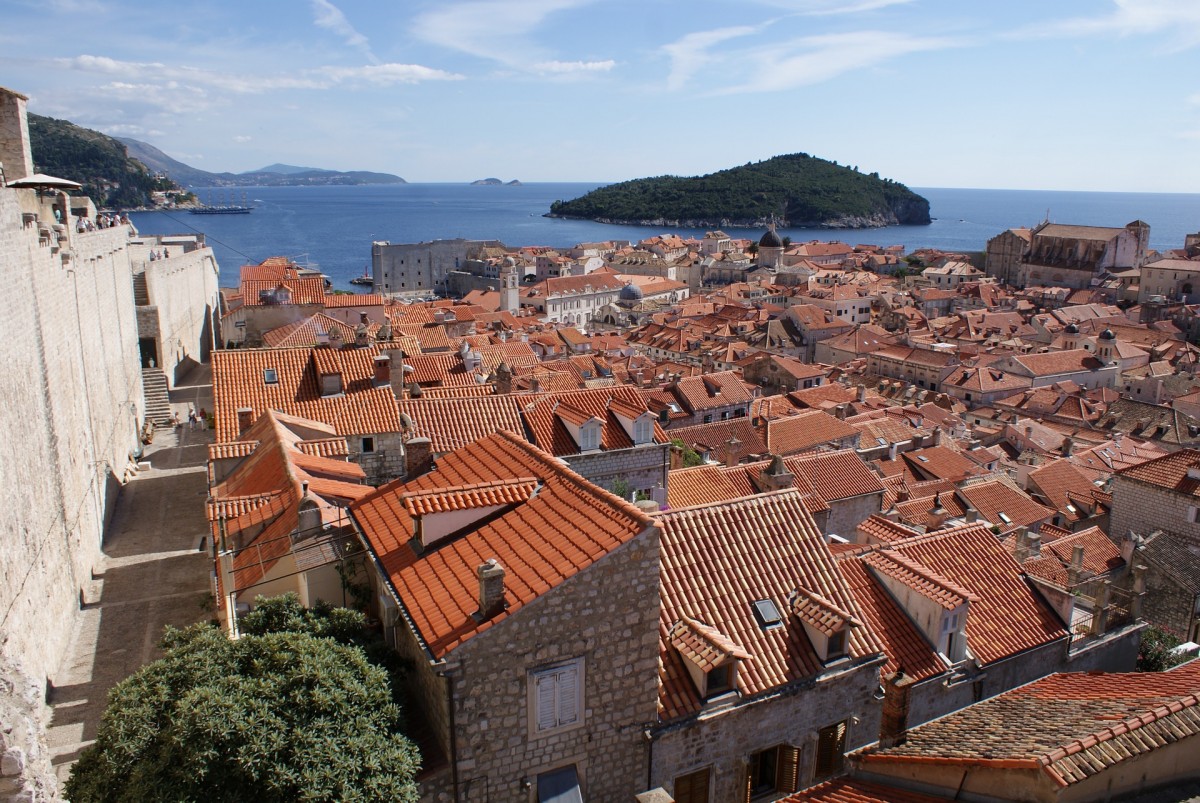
(289, 712)
(1154, 654)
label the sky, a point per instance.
(1095, 95)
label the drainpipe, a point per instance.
(649, 755)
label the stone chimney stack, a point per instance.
(361, 338)
(893, 726)
(776, 476)
(1035, 545)
(862, 393)
(504, 379)
(731, 458)
(418, 457)
(396, 371)
(491, 588)
(1076, 568)
(1022, 547)
(245, 419)
(383, 370)
(16, 156)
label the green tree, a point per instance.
(1154, 653)
(277, 715)
(690, 456)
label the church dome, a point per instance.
(1072, 329)
(770, 240)
(1107, 334)
(630, 292)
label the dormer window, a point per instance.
(589, 436)
(826, 625)
(711, 658)
(331, 384)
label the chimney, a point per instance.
(972, 515)
(16, 156)
(395, 371)
(893, 725)
(937, 436)
(245, 419)
(1076, 568)
(862, 393)
(1022, 547)
(1068, 445)
(418, 457)
(1129, 545)
(308, 515)
(361, 338)
(775, 477)
(383, 370)
(839, 412)
(731, 458)
(1035, 545)
(504, 378)
(491, 588)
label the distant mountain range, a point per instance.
(274, 175)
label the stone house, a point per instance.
(767, 667)
(1173, 279)
(1061, 255)
(495, 577)
(944, 604)
(1088, 370)
(1003, 255)
(277, 511)
(1067, 737)
(351, 389)
(776, 374)
(573, 300)
(273, 293)
(1159, 494)
(702, 399)
(1172, 581)
(925, 368)
(807, 430)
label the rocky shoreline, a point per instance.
(877, 221)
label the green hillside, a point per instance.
(796, 189)
(97, 161)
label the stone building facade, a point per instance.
(1142, 506)
(1003, 256)
(479, 699)
(416, 269)
(644, 467)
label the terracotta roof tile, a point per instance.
(454, 422)
(567, 526)
(854, 790)
(1069, 726)
(805, 430)
(717, 560)
(704, 646)
(467, 497)
(1171, 472)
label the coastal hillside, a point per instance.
(109, 175)
(273, 175)
(797, 190)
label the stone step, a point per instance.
(141, 295)
(156, 396)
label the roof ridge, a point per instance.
(756, 499)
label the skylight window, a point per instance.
(1004, 517)
(923, 458)
(881, 441)
(270, 376)
(766, 613)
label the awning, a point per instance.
(559, 786)
(42, 180)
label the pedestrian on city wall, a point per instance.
(203, 416)
(191, 417)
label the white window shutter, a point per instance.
(568, 695)
(547, 717)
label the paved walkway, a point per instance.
(155, 573)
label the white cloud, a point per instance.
(814, 59)
(568, 67)
(242, 138)
(690, 54)
(331, 18)
(150, 75)
(1179, 19)
(500, 31)
(830, 7)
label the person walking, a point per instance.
(191, 417)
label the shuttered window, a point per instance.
(557, 694)
(693, 787)
(773, 770)
(831, 748)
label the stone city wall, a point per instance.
(184, 290)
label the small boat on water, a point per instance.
(228, 208)
(365, 280)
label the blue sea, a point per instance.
(333, 227)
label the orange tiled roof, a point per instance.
(454, 422)
(239, 380)
(1171, 473)
(493, 493)
(1009, 617)
(308, 331)
(704, 484)
(566, 527)
(1070, 726)
(855, 790)
(805, 430)
(704, 646)
(946, 593)
(995, 497)
(542, 418)
(719, 559)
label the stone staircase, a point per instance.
(154, 391)
(141, 296)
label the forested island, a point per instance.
(795, 190)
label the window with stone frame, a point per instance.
(556, 696)
(772, 771)
(693, 787)
(831, 749)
